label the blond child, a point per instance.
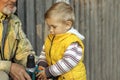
(63, 51)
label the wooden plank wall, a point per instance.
(97, 20)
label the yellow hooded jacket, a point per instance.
(55, 46)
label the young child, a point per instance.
(63, 51)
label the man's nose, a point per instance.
(13, 0)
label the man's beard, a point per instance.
(7, 11)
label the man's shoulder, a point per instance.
(14, 18)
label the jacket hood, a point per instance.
(74, 31)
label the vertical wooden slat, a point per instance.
(81, 16)
(107, 56)
(48, 4)
(87, 37)
(118, 39)
(99, 39)
(114, 37)
(30, 21)
(111, 27)
(21, 12)
(103, 41)
(105, 13)
(77, 12)
(94, 41)
(40, 25)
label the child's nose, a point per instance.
(51, 30)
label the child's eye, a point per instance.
(54, 27)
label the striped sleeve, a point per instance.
(42, 59)
(70, 59)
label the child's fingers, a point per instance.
(40, 68)
(41, 74)
(38, 74)
(40, 77)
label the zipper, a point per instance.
(51, 48)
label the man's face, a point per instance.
(7, 6)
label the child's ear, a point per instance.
(68, 25)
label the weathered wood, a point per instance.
(48, 5)
(105, 65)
(94, 42)
(87, 37)
(117, 40)
(97, 20)
(77, 12)
(30, 21)
(21, 12)
(40, 25)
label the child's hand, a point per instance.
(41, 75)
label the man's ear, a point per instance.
(68, 25)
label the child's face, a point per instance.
(56, 26)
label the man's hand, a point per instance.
(17, 72)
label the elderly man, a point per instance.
(14, 46)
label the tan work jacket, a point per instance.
(16, 47)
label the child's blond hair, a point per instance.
(62, 11)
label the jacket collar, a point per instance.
(74, 31)
(2, 16)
